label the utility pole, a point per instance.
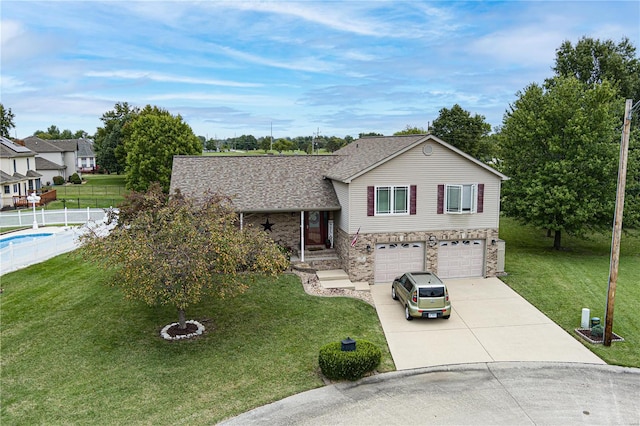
(617, 223)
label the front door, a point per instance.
(314, 227)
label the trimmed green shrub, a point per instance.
(58, 180)
(597, 330)
(75, 179)
(350, 365)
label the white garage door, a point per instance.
(459, 259)
(393, 259)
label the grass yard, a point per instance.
(561, 283)
(75, 352)
(99, 191)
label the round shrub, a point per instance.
(597, 330)
(350, 365)
(58, 180)
(75, 179)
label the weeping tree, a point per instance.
(173, 250)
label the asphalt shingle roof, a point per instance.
(85, 148)
(260, 183)
(6, 178)
(363, 154)
(10, 149)
(44, 164)
(36, 144)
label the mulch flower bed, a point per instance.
(585, 333)
(174, 332)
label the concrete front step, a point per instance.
(333, 274)
(337, 284)
(362, 286)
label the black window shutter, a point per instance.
(480, 207)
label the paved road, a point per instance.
(471, 394)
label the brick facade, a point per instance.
(285, 229)
(359, 262)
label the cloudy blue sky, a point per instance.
(244, 67)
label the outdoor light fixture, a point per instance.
(368, 248)
(34, 198)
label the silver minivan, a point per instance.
(422, 294)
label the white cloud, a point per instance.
(166, 78)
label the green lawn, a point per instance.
(99, 191)
(75, 352)
(561, 283)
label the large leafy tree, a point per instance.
(109, 139)
(6, 121)
(594, 61)
(559, 148)
(468, 133)
(172, 250)
(152, 138)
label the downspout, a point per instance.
(241, 220)
(302, 236)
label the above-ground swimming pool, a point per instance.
(4, 242)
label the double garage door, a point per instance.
(456, 259)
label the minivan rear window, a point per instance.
(432, 292)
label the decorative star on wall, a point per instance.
(267, 226)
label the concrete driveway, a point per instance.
(490, 322)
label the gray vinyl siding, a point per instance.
(342, 216)
(426, 172)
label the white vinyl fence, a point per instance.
(50, 217)
(25, 252)
(29, 252)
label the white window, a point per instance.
(461, 198)
(7, 189)
(392, 200)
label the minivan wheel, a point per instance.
(446, 316)
(407, 315)
(394, 296)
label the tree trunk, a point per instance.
(556, 240)
(182, 319)
(548, 233)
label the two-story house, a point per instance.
(386, 204)
(18, 175)
(55, 157)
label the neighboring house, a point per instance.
(61, 152)
(49, 169)
(387, 204)
(18, 175)
(85, 156)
